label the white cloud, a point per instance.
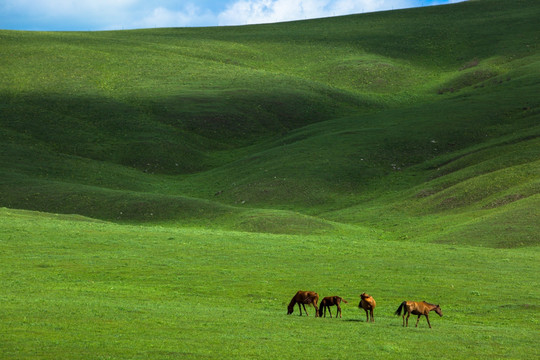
(266, 11)
(191, 15)
(129, 14)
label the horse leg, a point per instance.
(367, 315)
(339, 311)
(418, 319)
(304, 305)
(408, 314)
(330, 311)
(300, 308)
(371, 312)
(427, 318)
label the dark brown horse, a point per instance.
(331, 301)
(367, 303)
(302, 298)
(417, 308)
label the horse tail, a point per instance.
(345, 301)
(402, 306)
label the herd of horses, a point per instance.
(367, 302)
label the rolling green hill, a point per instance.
(165, 192)
(433, 110)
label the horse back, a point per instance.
(418, 308)
(368, 303)
(336, 300)
(306, 297)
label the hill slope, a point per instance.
(395, 120)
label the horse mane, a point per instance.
(293, 300)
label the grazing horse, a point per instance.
(367, 303)
(417, 308)
(302, 298)
(331, 301)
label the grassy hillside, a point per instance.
(79, 288)
(165, 192)
(320, 118)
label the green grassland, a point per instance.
(80, 288)
(165, 192)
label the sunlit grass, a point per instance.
(95, 289)
(221, 170)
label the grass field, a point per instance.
(165, 192)
(78, 288)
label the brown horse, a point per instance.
(417, 308)
(331, 301)
(367, 303)
(302, 298)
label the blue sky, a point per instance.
(71, 15)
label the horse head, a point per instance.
(365, 296)
(290, 309)
(438, 310)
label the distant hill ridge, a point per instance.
(396, 121)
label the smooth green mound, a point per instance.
(165, 192)
(312, 117)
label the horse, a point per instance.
(303, 298)
(417, 308)
(331, 301)
(367, 303)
